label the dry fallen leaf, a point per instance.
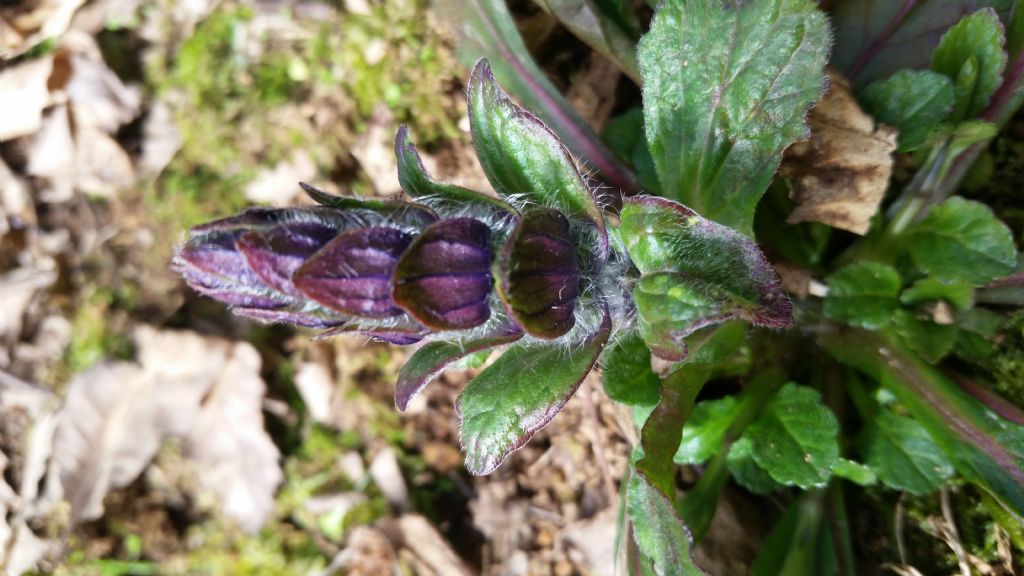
(840, 175)
(206, 390)
(23, 97)
(25, 24)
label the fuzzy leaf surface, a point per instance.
(863, 294)
(660, 534)
(519, 394)
(796, 439)
(628, 377)
(705, 430)
(719, 267)
(430, 361)
(971, 54)
(914, 101)
(726, 90)
(903, 455)
(522, 156)
(962, 240)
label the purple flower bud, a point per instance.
(352, 273)
(540, 278)
(444, 278)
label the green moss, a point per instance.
(92, 337)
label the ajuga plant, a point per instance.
(636, 253)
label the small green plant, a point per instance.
(564, 274)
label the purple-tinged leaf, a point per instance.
(488, 30)
(522, 156)
(352, 274)
(431, 360)
(276, 254)
(212, 266)
(323, 319)
(539, 275)
(402, 334)
(419, 184)
(662, 537)
(397, 211)
(876, 38)
(517, 395)
(444, 278)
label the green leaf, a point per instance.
(726, 90)
(962, 241)
(855, 472)
(628, 377)
(903, 455)
(519, 394)
(914, 101)
(747, 472)
(863, 294)
(429, 361)
(418, 183)
(660, 534)
(720, 273)
(522, 156)
(932, 341)
(705, 429)
(614, 35)
(930, 289)
(486, 29)
(877, 38)
(796, 439)
(800, 544)
(971, 53)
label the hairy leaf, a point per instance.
(628, 377)
(662, 537)
(519, 394)
(863, 294)
(419, 184)
(914, 101)
(488, 30)
(971, 54)
(903, 455)
(726, 89)
(538, 275)
(735, 277)
(431, 360)
(962, 240)
(705, 430)
(522, 156)
(796, 439)
(876, 38)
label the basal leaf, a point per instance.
(704, 431)
(876, 38)
(914, 101)
(519, 394)
(664, 236)
(932, 341)
(431, 360)
(614, 37)
(863, 294)
(660, 534)
(746, 471)
(971, 54)
(418, 183)
(903, 455)
(626, 367)
(726, 89)
(796, 439)
(522, 156)
(488, 30)
(962, 241)
(855, 472)
(930, 289)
